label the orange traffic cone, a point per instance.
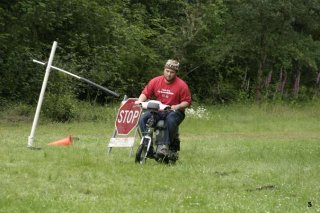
(63, 142)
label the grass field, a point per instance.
(239, 159)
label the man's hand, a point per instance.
(175, 107)
(138, 102)
(180, 106)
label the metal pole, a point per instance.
(43, 89)
(80, 78)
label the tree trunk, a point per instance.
(283, 83)
(317, 87)
(259, 84)
(262, 60)
(280, 81)
(267, 82)
(259, 78)
(296, 85)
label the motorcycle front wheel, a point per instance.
(141, 155)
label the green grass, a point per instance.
(241, 159)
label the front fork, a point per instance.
(148, 140)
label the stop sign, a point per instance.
(128, 116)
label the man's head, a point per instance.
(172, 64)
(170, 70)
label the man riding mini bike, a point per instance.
(153, 147)
(171, 90)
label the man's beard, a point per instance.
(169, 80)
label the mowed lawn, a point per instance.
(232, 159)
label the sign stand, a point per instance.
(127, 120)
(116, 141)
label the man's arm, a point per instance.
(141, 98)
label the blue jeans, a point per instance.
(172, 119)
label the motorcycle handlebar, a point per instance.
(154, 105)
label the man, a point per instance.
(171, 90)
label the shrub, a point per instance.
(14, 112)
(199, 112)
(95, 112)
(60, 108)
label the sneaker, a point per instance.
(173, 156)
(163, 150)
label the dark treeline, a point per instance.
(230, 50)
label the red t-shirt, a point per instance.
(170, 94)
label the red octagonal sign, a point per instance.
(128, 117)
